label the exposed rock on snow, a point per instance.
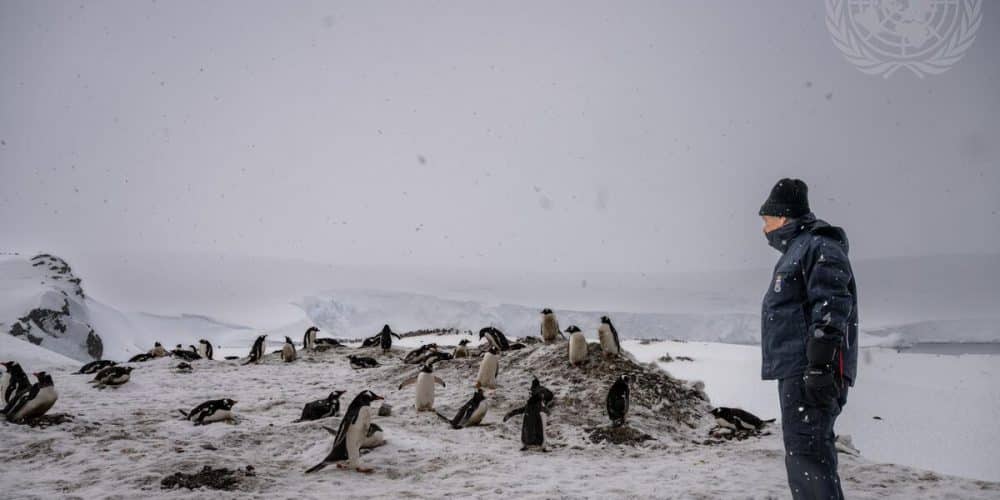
(216, 479)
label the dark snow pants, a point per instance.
(810, 453)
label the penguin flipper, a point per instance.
(442, 417)
(315, 467)
(409, 381)
(439, 381)
(514, 412)
(183, 413)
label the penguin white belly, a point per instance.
(478, 415)
(374, 440)
(461, 352)
(288, 353)
(356, 435)
(119, 380)
(550, 329)
(577, 348)
(425, 391)
(202, 351)
(218, 416)
(607, 340)
(488, 371)
(4, 382)
(37, 407)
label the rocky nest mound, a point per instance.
(216, 479)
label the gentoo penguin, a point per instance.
(383, 339)
(435, 356)
(462, 350)
(256, 351)
(425, 381)
(322, 408)
(532, 428)
(309, 339)
(95, 366)
(288, 351)
(185, 354)
(157, 351)
(608, 337)
(374, 438)
(326, 343)
(113, 376)
(489, 368)
(362, 362)
(737, 419)
(216, 410)
(205, 349)
(549, 329)
(34, 402)
(471, 413)
(353, 431)
(413, 356)
(577, 346)
(14, 381)
(495, 337)
(538, 388)
(141, 357)
(618, 401)
(183, 367)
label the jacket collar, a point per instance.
(780, 238)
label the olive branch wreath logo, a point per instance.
(873, 61)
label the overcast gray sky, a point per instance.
(627, 136)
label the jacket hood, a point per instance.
(780, 238)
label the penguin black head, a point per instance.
(606, 320)
(463, 342)
(625, 378)
(44, 379)
(128, 369)
(288, 340)
(572, 329)
(157, 344)
(335, 395)
(546, 311)
(312, 329)
(386, 329)
(9, 365)
(193, 348)
(493, 350)
(366, 397)
(179, 347)
(535, 383)
(228, 403)
(203, 341)
(428, 368)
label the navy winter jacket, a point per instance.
(812, 289)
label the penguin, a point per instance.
(549, 328)
(95, 366)
(577, 346)
(141, 358)
(489, 368)
(288, 353)
(183, 367)
(362, 362)
(326, 343)
(495, 337)
(309, 339)
(608, 337)
(538, 388)
(425, 381)
(470, 414)
(322, 408)
(462, 350)
(385, 338)
(256, 351)
(532, 427)
(739, 420)
(413, 356)
(14, 381)
(157, 351)
(185, 354)
(353, 431)
(435, 356)
(34, 402)
(113, 376)
(618, 401)
(374, 438)
(205, 349)
(216, 410)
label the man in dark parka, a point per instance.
(809, 333)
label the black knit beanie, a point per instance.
(789, 198)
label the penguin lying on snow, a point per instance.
(141, 358)
(183, 367)
(95, 366)
(738, 420)
(608, 336)
(186, 355)
(256, 351)
(157, 351)
(113, 376)
(216, 410)
(434, 357)
(471, 413)
(13, 382)
(495, 337)
(348, 438)
(532, 427)
(619, 400)
(577, 346)
(416, 356)
(322, 408)
(288, 353)
(425, 381)
(362, 362)
(32, 403)
(374, 438)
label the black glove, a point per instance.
(820, 381)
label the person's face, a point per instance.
(771, 223)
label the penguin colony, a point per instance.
(23, 401)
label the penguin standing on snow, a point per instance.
(322, 408)
(288, 353)
(216, 410)
(351, 434)
(425, 381)
(256, 351)
(362, 362)
(205, 349)
(608, 337)
(309, 339)
(495, 337)
(577, 346)
(618, 401)
(471, 413)
(157, 351)
(113, 376)
(489, 368)
(462, 350)
(95, 366)
(738, 420)
(549, 330)
(34, 402)
(532, 427)
(383, 339)
(13, 382)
